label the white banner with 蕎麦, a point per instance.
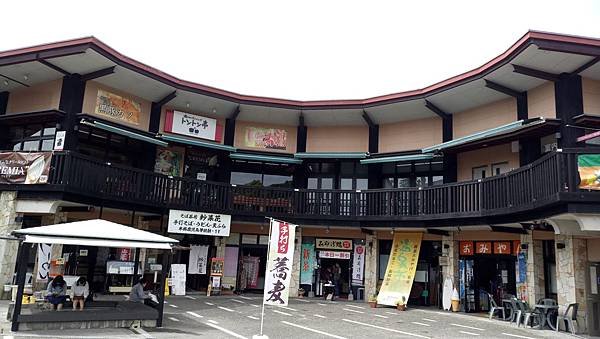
(279, 263)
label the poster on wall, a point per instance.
(190, 125)
(59, 140)
(265, 138)
(200, 223)
(178, 277)
(117, 107)
(307, 263)
(358, 264)
(43, 262)
(401, 269)
(24, 168)
(589, 171)
(168, 162)
(198, 259)
(280, 261)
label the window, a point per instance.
(31, 138)
(479, 172)
(412, 174)
(499, 168)
(260, 174)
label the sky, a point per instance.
(302, 50)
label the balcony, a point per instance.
(545, 186)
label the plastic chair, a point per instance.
(494, 307)
(568, 320)
(528, 313)
(515, 311)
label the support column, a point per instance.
(536, 288)
(371, 257)
(71, 102)
(8, 248)
(3, 102)
(450, 249)
(568, 98)
(571, 268)
(295, 282)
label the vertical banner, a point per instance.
(358, 265)
(279, 263)
(43, 262)
(401, 269)
(198, 259)
(307, 264)
(178, 278)
(251, 266)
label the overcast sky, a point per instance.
(302, 50)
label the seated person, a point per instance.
(138, 295)
(80, 292)
(57, 292)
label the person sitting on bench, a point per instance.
(138, 295)
(57, 292)
(80, 292)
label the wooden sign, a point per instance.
(502, 247)
(483, 247)
(466, 248)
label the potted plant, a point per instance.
(373, 301)
(401, 304)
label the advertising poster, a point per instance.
(168, 162)
(24, 168)
(266, 138)
(401, 269)
(198, 259)
(117, 107)
(358, 265)
(589, 171)
(307, 263)
(280, 261)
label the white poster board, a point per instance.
(198, 259)
(193, 125)
(200, 223)
(178, 277)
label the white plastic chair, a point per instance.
(567, 319)
(494, 307)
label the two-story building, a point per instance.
(484, 166)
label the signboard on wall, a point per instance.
(334, 255)
(24, 168)
(190, 125)
(168, 161)
(358, 264)
(117, 107)
(200, 223)
(265, 138)
(59, 140)
(334, 244)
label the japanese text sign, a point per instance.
(466, 248)
(191, 125)
(201, 223)
(280, 260)
(483, 247)
(334, 255)
(358, 264)
(334, 244)
(502, 247)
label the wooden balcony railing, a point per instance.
(528, 187)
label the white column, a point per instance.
(371, 256)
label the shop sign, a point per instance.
(334, 255)
(358, 264)
(124, 254)
(198, 259)
(280, 261)
(43, 262)
(117, 107)
(178, 277)
(502, 247)
(483, 247)
(466, 248)
(307, 263)
(401, 269)
(265, 138)
(589, 171)
(516, 247)
(24, 168)
(334, 244)
(200, 223)
(190, 125)
(59, 140)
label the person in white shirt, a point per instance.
(80, 292)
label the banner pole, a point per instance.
(262, 314)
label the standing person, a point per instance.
(80, 292)
(57, 292)
(337, 272)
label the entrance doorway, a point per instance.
(329, 267)
(252, 268)
(481, 275)
(593, 299)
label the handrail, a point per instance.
(526, 187)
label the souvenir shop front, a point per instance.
(487, 267)
(330, 261)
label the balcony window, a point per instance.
(262, 175)
(32, 138)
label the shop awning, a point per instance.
(398, 158)
(95, 232)
(330, 155)
(123, 132)
(264, 158)
(502, 133)
(199, 143)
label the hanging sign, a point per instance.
(466, 248)
(502, 247)
(307, 263)
(198, 259)
(250, 265)
(191, 125)
(401, 269)
(59, 140)
(589, 171)
(200, 223)
(334, 244)
(334, 255)
(117, 107)
(43, 262)
(358, 264)
(279, 263)
(24, 168)
(483, 247)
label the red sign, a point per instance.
(516, 247)
(502, 247)
(483, 247)
(124, 254)
(284, 237)
(466, 248)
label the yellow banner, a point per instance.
(401, 268)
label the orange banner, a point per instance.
(117, 107)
